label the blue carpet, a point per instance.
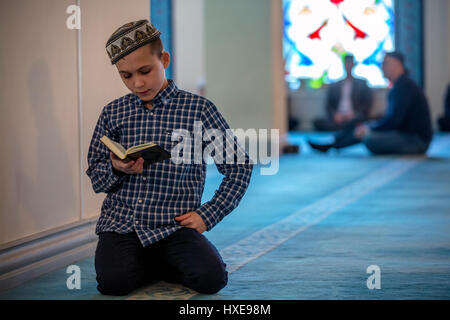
(402, 227)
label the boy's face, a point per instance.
(143, 72)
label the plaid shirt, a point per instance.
(147, 203)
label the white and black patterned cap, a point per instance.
(130, 37)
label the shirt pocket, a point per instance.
(164, 139)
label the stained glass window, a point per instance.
(318, 34)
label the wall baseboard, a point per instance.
(29, 260)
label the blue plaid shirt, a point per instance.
(147, 203)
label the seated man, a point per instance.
(347, 100)
(444, 121)
(406, 126)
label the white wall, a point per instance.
(189, 44)
(39, 126)
(242, 67)
(448, 38)
(42, 168)
(437, 53)
(237, 58)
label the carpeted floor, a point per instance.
(312, 230)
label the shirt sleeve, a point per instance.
(103, 176)
(237, 173)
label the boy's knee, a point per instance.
(114, 284)
(209, 280)
(211, 283)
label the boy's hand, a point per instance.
(192, 220)
(131, 167)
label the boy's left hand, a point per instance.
(192, 220)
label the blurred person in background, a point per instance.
(404, 129)
(347, 101)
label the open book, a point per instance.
(150, 151)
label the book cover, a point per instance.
(150, 152)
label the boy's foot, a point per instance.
(320, 147)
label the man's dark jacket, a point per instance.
(407, 110)
(361, 96)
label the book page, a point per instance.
(140, 147)
(115, 147)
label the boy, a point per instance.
(152, 220)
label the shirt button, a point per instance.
(144, 179)
(137, 222)
(151, 113)
(140, 200)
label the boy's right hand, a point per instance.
(131, 167)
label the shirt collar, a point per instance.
(164, 95)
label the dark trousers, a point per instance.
(382, 142)
(444, 123)
(345, 137)
(186, 256)
(323, 124)
(327, 124)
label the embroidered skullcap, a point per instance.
(130, 37)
